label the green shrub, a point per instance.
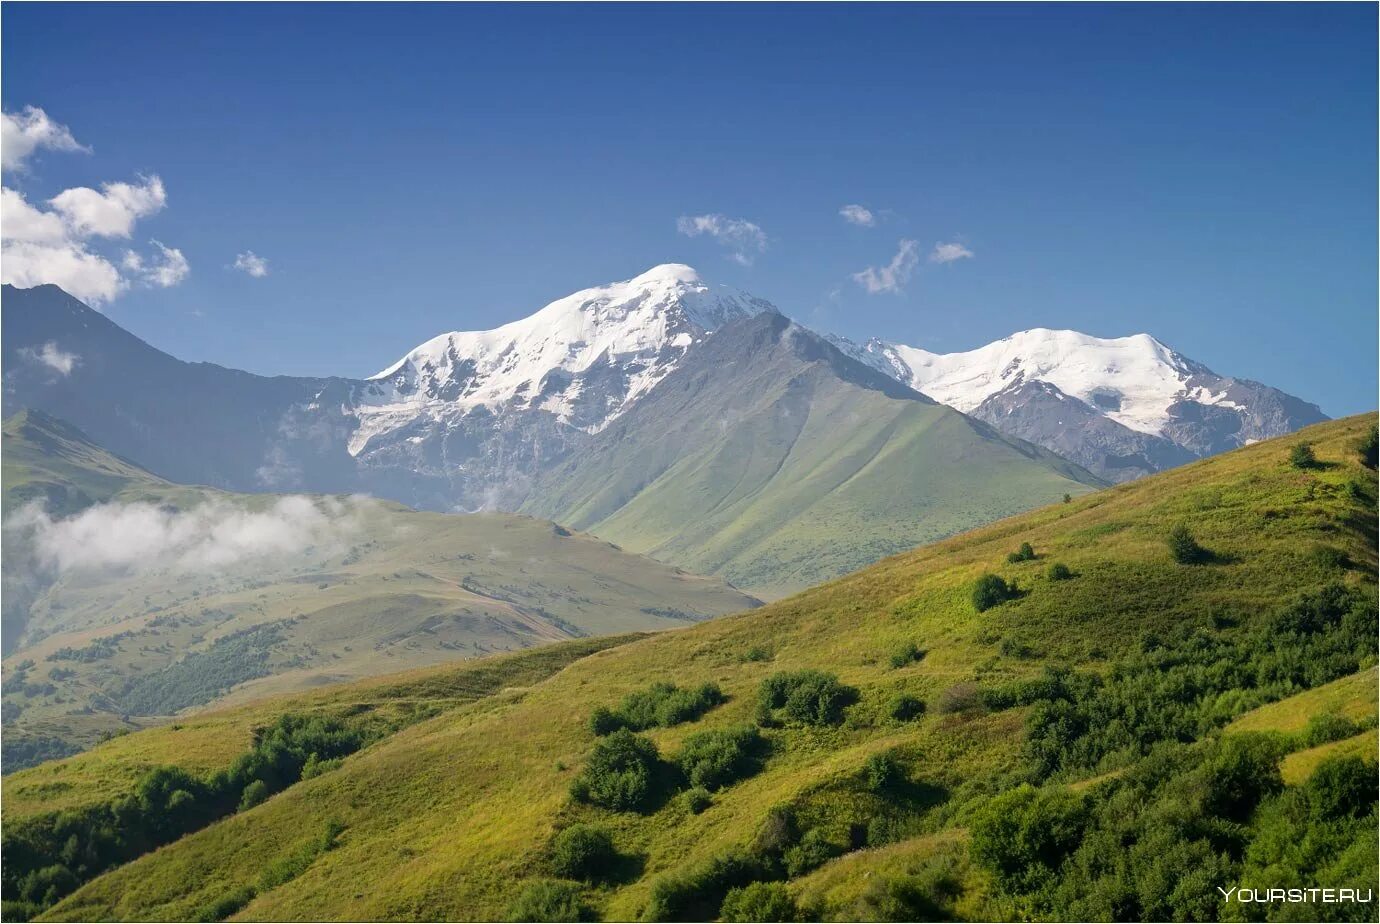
(697, 799)
(1025, 553)
(883, 773)
(1022, 836)
(757, 653)
(990, 590)
(659, 706)
(758, 901)
(1328, 726)
(715, 758)
(809, 697)
(698, 893)
(254, 793)
(223, 907)
(814, 850)
(1059, 572)
(583, 852)
(1184, 547)
(1341, 787)
(903, 707)
(621, 773)
(961, 697)
(1301, 455)
(907, 653)
(550, 900)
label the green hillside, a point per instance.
(1066, 753)
(876, 748)
(374, 588)
(773, 460)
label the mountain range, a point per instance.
(531, 415)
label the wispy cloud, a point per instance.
(123, 538)
(58, 360)
(59, 244)
(24, 132)
(251, 263)
(743, 239)
(948, 253)
(894, 276)
(858, 215)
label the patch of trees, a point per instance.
(99, 650)
(991, 590)
(626, 773)
(659, 706)
(719, 757)
(808, 697)
(203, 675)
(49, 856)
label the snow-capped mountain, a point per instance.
(581, 359)
(1121, 407)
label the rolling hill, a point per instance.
(877, 748)
(132, 599)
(772, 459)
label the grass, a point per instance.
(451, 817)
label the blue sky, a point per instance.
(1205, 173)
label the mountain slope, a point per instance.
(1121, 407)
(770, 458)
(164, 597)
(453, 817)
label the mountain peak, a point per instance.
(668, 272)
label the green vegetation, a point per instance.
(1302, 456)
(659, 706)
(202, 676)
(583, 852)
(1161, 712)
(809, 697)
(758, 901)
(622, 773)
(1185, 548)
(718, 757)
(1025, 553)
(908, 653)
(1368, 448)
(990, 590)
(1059, 572)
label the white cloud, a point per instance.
(51, 356)
(55, 245)
(894, 276)
(167, 269)
(124, 538)
(27, 131)
(948, 253)
(111, 212)
(743, 239)
(858, 215)
(251, 263)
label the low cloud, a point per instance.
(948, 253)
(251, 263)
(117, 538)
(58, 360)
(743, 239)
(29, 130)
(894, 276)
(58, 242)
(858, 215)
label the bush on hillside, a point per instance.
(1059, 572)
(758, 901)
(696, 799)
(697, 894)
(551, 900)
(621, 773)
(990, 590)
(583, 852)
(883, 773)
(1023, 836)
(809, 697)
(659, 706)
(903, 707)
(1025, 553)
(1326, 727)
(721, 756)
(1301, 455)
(1184, 547)
(907, 653)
